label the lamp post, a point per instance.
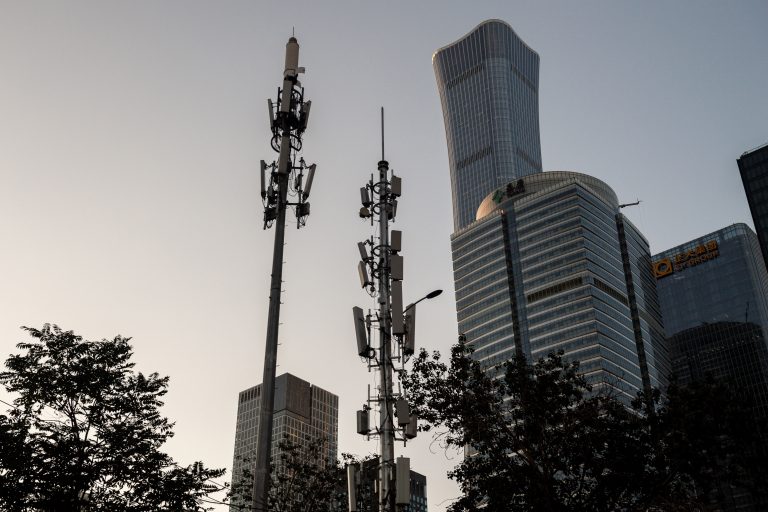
(430, 295)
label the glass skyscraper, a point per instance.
(719, 277)
(542, 261)
(753, 167)
(551, 264)
(488, 82)
(714, 296)
(303, 413)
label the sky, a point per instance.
(130, 140)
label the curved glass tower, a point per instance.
(488, 82)
(542, 261)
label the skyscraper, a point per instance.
(551, 264)
(713, 292)
(488, 82)
(542, 261)
(753, 167)
(302, 412)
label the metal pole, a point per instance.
(287, 125)
(264, 445)
(387, 437)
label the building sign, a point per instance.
(683, 260)
(512, 189)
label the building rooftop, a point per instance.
(755, 149)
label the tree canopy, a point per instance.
(536, 437)
(303, 480)
(85, 431)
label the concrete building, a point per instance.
(753, 167)
(489, 84)
(303, 413)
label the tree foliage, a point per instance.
(302, 480)
(85, 431)
(536, 437)
(708, 447)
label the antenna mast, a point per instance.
(382, 133)
(381, 275)
(288, 120)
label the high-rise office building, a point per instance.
(418, 493)
(551, 264)
(488, 82)
(714, 297)
(303, 413)
(546, 262)
(753, 167)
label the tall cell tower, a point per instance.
(381, 275)
(288, 177)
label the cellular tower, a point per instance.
(381, 275)
(288, 176)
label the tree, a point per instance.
(302, 480)
(85, 431)
(707, 447)
(537, 438)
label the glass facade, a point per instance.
(730, 285)
(488, 82)
(753, 166)
(550, 264)
(644, 303)
(302, 412)
(714, 296)
(418, 493)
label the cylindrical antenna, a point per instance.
(263, 179)
(382, 133)
(291, 58)
(365, 198)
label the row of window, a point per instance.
(555, 289)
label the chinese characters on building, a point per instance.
(682, 260)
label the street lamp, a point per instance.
(430, 295)
(409, 319)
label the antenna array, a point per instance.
(381, 275)
(286, 177)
